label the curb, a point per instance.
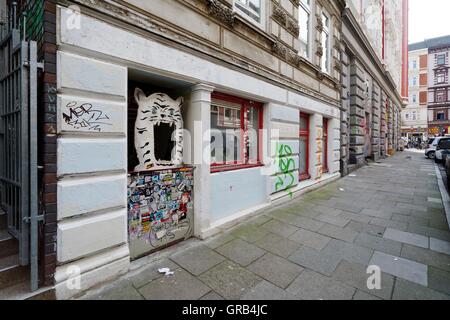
(444, 193)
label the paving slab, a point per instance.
(198, 259)
(278, 245)
(315, 260)
(280, 228)
(440, 246)
(276, 270)
(230, 280)
(333, 219)
(241, 252)
(403, 226)
(406, 290)
(311, 285)
(122, 290)
(407, 237)
(355, 275)
(402, 268)
(310, 239)
(212, 295)
(249, 233)
(150, 272)
(305, 223)
(363, 296)
(359, 227)
(439, 280)
(267, 291)
(348, 251)
(425, 256)
(339, 233)
(378, 244)
(218, 240)
(180, 286)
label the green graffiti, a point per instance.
(286, 164)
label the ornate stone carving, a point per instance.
(294, 58)
(319, 51)
(293, 27)
(221, 12)
(284, 20)
(279, 49)
(279, 15)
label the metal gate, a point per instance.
(18, 140)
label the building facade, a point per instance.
(415, 115)
(373, 79)
(251, 96)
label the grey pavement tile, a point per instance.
(407, 237)
(278, 245)
(402, 268)
(355, 217)
(119, 290)
(311, 285)
(218, 240)
(356, 275)
(305, 223)
(427, 257)
(363, 296)
(333, 219)
(339, 233)
(429, 232)
(378, 244)
(315, 260)
(267, 291)
(406, 290)
(411, 206)
(180, 286)
(440, 246)
(276, 270)
(438, 223)
(410, 220)
(241, 252)
(310, 239)
(230, 280)
(279, 228)
(214, 296)
(377, 213)
(348, 251)
(249, 233)
(150, 272)
(403, 226)
(260, 220)
(197, 260)
(439, 280)
(371, 229)
(434, 200)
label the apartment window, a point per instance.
(414, 98)
(252, 9)
(441, 96)
(325, 146)
(407, 116)
(326, 43)
(414, 64)
(440, 59)
(440, 77)
(440, 115)
(414, 118)
(304, 146)
(304, 19)
(414, 81)
(235, 133)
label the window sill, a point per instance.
(219, 169)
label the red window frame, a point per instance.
(305, 134)
(325, 146)
(245, 106)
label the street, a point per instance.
(318, 246)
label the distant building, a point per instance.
(429, 85)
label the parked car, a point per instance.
(430, 152)
(442, 149)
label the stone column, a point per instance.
(316, 147)
(376, 122)
(198, 123)
(357, 114)
(383, 134)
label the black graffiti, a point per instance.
(85, 116)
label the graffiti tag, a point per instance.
(286, 165)
(85, 117)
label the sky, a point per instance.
(428, 19)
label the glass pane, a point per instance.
(225, 135)
(303, 154)
(304, 124)
(253, 135)
(304, 32)
(325, 57)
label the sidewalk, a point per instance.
(389, 214)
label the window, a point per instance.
(414, 98)
(407, 116)
(440, 77)
(325, 146)
(235, 133)
(440, 116)
(304, 147)
(414, 116)
(414, 64)
(441, 96)
(304, 19)
(251, 9)
(326, 43)
(440, 59)
(414, 81)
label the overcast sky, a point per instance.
(428, 19)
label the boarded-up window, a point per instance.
(423, 97)
(424, 61)
(423, 79)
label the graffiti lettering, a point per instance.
(85, 117)
(286, 165)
